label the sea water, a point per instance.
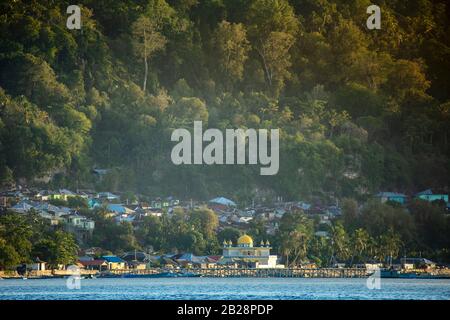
(224, 289)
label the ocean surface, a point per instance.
(223, 289)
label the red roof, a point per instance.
(214, 258)
(97, 262)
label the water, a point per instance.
(224, 289)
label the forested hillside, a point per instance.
(359, 110)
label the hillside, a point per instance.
(359, 110)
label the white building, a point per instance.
(246, 254)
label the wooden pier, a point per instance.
(257, 273)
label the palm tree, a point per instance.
(390, 244)
(339, 241)
(360, 243)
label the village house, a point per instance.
(47, 195)
(99, 173)
(94, 264)
(37, 265)
(115, 263)
(417, 263)
(124, 218)
(392, 196)
(221, 204)
(80, 222)
(429, 196)
(107, 196)
(22, 207)
(322, 234)
(119, 209)
(66, 194)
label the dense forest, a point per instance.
(359, 110)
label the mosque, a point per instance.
(245, 254)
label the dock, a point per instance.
(255, 272)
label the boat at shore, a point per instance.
(399, 274)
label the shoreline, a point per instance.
(321, 273)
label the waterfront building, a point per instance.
(115, 263)
(417, 263)
(37, 265)
(245, 254)
(94, 264)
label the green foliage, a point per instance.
(77, 202)
(295, 232)
(359, 111)
(23, 238)
(59, 248)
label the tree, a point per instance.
(17, 233)
(150, 233)
(388, 246)
(9, 258)
(147, 41)
(188, 110)
(430, 222)
(77, 202)
(273, 27)
(228, 234)
(65, 248)
(276, 59)
(340, 242)
(59, 248)
(360, 241)
(295, 231)
(349, 213)
(232, 47)
(205, 221)
(407, 78)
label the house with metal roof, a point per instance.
(107, 196)
(119, 208)
(223, 201)
(428, 195)
(94, 264)
(392, 196)
(22, 207)
(115, 263)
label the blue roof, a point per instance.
(223, 201)
(390, 194)
(108, 195)
(113, 259)
(24, 206)
(116, 208)
(425, 192)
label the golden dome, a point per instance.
(245, 240)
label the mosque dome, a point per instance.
(245, 241)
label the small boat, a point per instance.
(110, 275)
(189, 275)
(396, 274)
